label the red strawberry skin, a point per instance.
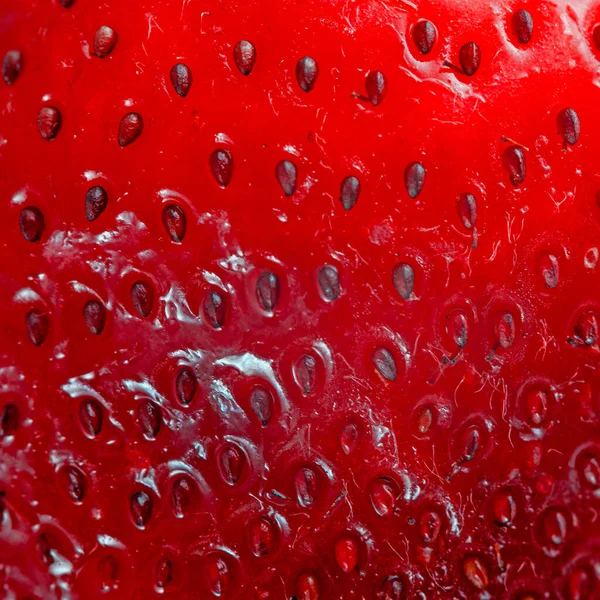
(192, 407)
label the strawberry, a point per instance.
(299, 300)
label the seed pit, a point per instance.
(32, 223)
(349, 192)
(424, 35)
(244, 55)
(403, 278)
(307, 72)
(105, 41)
(287, 176)
(414, 178)
(11, 66)
(96, 201)
(215, 308)
(130, 128)
(181, 79)
(38, 325)
(49, 122)
(522, 26)
(268, 290)
(376, 87)
(142, 297)
(141, 506)
(221, 166)
(175, 222)
(513, 159)
(94, 315)
(469, 57)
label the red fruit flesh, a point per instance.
(299, 300)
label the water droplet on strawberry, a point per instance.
(174, 220)
(267, 290)
(466, 207)
(91, 417)
(286, 174)
(261, 402)
(232, 463)
(105, 41)
(307, 72)
(423, 35)
(504, 508)
(49, 122)
(391, 589)
(181, 79)
(469, 57)
(430, 525)
(568, 125)
(244, 55)
(32, 223)
(307, 587)
(186, 385)
(130, 128)
(414, 178)
(96, 201)
(475, 572)
(305, 373)
(215, 308)
(182, 494)
(403, 278)
(94, 315)
(384, 492)
(522, 26)
(11, 66)
(164, 573)
(385, 363)
(346, 554)
(376, 87)
(141, 506)
(73, 481)
(349, 191)
(9, 422)
(329, 283)
(37, 326)
(221, 166)
(149, 418)
(305, 482)
(349, 438)
(513, 159)
(142, 296)
(261, 536)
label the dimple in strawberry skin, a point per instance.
(299, 300)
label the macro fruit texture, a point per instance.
(299, 300)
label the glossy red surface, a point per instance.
(228, 370)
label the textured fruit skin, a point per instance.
(474, 396)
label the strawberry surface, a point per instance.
(299, 300)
